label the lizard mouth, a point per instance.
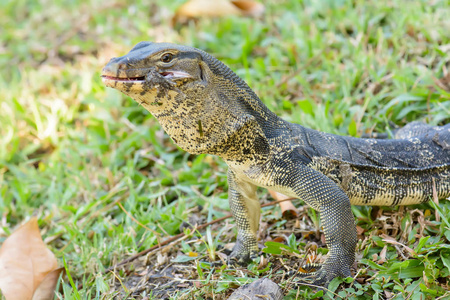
(112, 78)
(173, 75)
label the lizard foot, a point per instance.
(241, 258)
(317, 278)
(323, 274)
(243, 252)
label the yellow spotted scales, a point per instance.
(206, 108)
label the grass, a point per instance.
(71, 150)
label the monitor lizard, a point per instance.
(206, 108)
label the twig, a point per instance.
(136, 221)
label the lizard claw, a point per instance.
(241, 258)
(244, 251)
(323, 274)
(317, 278)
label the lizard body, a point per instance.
(206, 108)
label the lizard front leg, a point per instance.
(338, 223)
(246, 210)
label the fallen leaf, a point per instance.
(391, 240)
(388, 294)
(219, 8)
(425, 279)
(360, 230)
(311, 258)
(262, 262)
(223, 257)
(311, 246)
(46, 290)
(436, 198)
(161, 259)
(279, 239)
(25, 262)
(207, 8)
(382, 258)
(288, 210)
(249, 7)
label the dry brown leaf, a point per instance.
(279, 239)
(24, 262)
(436, 199)
(359, 230)
(263, 262)
(46, 290)
(219, 8)
(391, 240)
(288, 209)
(311, 246)
(207, 8)
(382, 258)
(388, 294)
(249, 7)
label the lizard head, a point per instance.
(198, 100)
(152, 67)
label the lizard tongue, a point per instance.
(175, 74)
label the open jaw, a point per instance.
(121, 82)
(173, 75)
(140, 78)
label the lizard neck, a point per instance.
(218, 115)
(242, 99)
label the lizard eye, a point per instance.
(167, 57)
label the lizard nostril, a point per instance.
(111, 68)
(119, 63)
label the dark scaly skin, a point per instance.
(206, 108)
